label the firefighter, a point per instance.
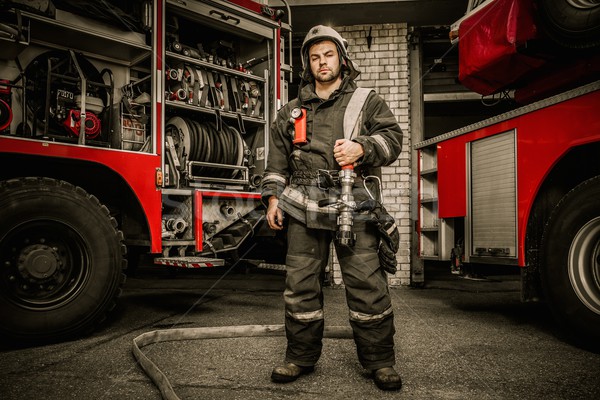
(298, 175)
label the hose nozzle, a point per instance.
(345, 236)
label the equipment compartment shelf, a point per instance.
(429, 171)
(212, 111)
(70, 31)
(436, 236)
(213, 67)
(225, 16)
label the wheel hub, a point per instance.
(38, 262)
(584, 264)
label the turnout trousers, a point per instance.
(367, 295)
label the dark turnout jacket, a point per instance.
(380, 135)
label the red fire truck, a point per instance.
(523, 188)
(128, 128)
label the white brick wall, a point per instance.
(384, 67)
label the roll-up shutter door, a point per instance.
(493, 196)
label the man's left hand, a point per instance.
(347, 152)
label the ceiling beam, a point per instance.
(307, 13)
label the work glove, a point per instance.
(389, 239)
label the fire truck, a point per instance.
(129, 128)
(522, 188)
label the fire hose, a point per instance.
(169, 335)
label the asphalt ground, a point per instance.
(456, 339)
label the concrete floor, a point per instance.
(455, 339)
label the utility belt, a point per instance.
(322, 178)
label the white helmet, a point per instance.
(317, 34)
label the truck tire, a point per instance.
(571, 261)
(572, 24)
(61, 261)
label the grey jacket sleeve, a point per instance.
(276, 175)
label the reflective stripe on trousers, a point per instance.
(367, 295)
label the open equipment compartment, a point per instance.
(217, 94)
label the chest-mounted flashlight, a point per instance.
(299, 118)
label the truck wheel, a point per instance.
(571, 261)
(61, 260)
(573, 24)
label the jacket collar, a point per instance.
(307, 92)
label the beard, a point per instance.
(329, 77)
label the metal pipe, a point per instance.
(176, 225)
(289, 15)
(227, 210)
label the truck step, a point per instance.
(189, 262)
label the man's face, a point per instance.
(324, 61)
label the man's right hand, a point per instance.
(274, 214)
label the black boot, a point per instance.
(387, 379)
(289, 372)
